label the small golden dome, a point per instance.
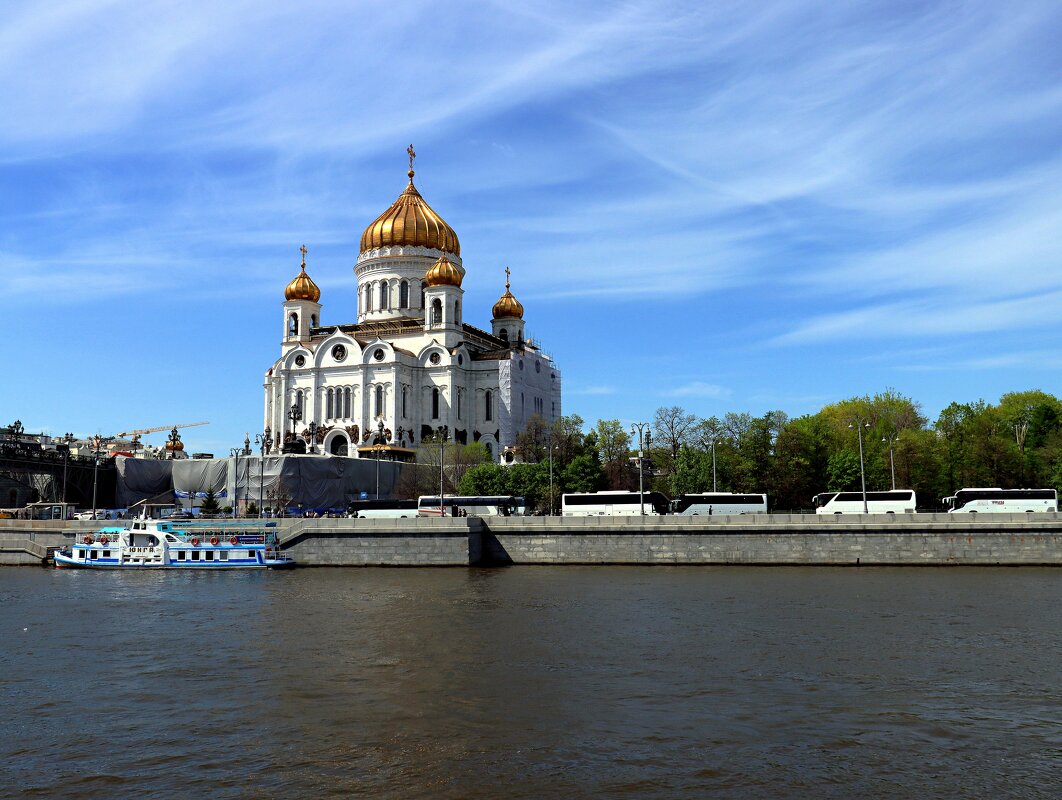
(170, 445)
(443, 273)
(302, 288)
(507, 305)
(410, 222)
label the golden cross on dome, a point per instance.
(412, 154)
(303, 251)
(506, 277)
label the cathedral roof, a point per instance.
(410, 221)
(302, 288)
(443, 273)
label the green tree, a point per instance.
(209, 506)
(583, 474)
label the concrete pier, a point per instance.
(903, 539)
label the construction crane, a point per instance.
(140, 431)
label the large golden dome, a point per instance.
(410, 222)
(302, 288)
(443, 273)
(508, 305)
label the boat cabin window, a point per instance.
(195, 555)
(224, 555)
(94, 554)
(170, 537)
(180, 555)
(209, 555)
(106, 553)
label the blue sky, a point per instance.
(723, 206)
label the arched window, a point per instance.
(313, 320)
(346, 403)
(329, 404)
(488, 410)
(504, 335)
(434, 403)
(298, 400)
(403, 294)
(293, 324)
(457, 312)
(379, 401)
(405, 402)
(423, 287)
(368, 298)
(460, 397)
(383, 295)
(436, 312)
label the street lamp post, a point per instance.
(96, 441)
(552, 504)
(891, 440)
(713, 467)
(859, 425)
(441, 432)
(66, 458)
(263, 440)
(294, 414)
(236, 452)
(644, 438)
(312, 427)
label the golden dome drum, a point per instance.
(410, 222)
(302, 288)
(508, 306)
(443, 273)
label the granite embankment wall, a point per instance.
(913, 539)
(910, 539)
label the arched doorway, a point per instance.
(338, 446)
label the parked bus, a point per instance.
(613, 504)
(1002, 501)
(382, 509)
(898, 501)
(691, 505)
(458, 506)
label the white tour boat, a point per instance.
(163, 544)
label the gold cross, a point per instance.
(303, 251)
(506, 277)
(412, 154)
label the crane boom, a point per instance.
(158, 428)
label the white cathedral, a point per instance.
(410, 368)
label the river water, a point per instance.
(532, 682)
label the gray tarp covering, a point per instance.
(314, 482)
(142, 479)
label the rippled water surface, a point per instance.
(532, 682)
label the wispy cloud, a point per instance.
(698, 389)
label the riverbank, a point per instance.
(763, 539)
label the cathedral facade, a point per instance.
(410, 368)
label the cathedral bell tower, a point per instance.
(443, 297)
(508, 317)
(301, 309)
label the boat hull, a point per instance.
(66, 562)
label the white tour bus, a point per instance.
(382, 509)
(1002, 501)
(613, 504)
(719, 503)
(458, 506)
(898, 501)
